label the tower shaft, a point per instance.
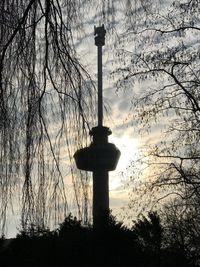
(100, 199)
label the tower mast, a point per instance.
(99, 33)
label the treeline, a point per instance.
(148, 243)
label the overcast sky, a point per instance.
(118, 113)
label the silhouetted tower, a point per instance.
(101, 156)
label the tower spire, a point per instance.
(99, 33)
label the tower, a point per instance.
(101, 156)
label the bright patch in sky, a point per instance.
(129, 150)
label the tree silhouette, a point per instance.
(182, 232)
(149, 233)
(164, 60)
(46, 102)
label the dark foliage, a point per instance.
(75, 245)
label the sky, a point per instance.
(118, 115)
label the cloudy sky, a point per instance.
(118, 112)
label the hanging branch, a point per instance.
(46, 105)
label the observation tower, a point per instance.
(101, 156)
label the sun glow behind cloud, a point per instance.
(129, 148)
(119, 192)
